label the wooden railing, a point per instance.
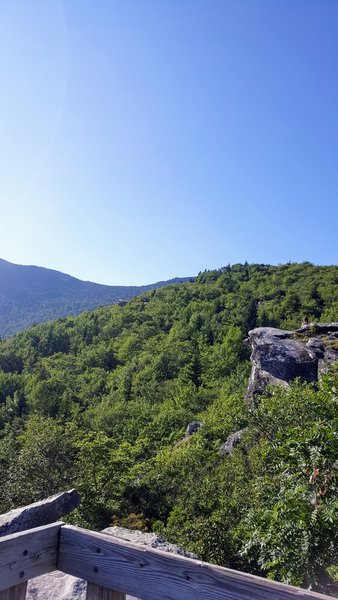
(114, 567)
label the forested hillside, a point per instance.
(30, 295)
(102, 401)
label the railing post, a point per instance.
(98, 592)
(17, 592)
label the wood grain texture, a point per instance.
(97, 592)
(17, 592)
(152, 574)
(28, 554)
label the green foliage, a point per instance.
(102, 402)
(292, 532)
(43, 462)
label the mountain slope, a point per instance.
(102, 401)
(31, 295)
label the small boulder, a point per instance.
(231, 442)
(193, 427)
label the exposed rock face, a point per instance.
(56, 586)
(39, 513)
(231, 442)
(147, 539)
(193, 427)
(280, 356)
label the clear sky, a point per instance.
(146, 139)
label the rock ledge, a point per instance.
(280, 356)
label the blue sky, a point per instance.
(146, 139)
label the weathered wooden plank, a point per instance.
(17, 592)
(151, 574)
(97, 592)
(40, 513)
(27, 554)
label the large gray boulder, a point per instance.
(280, 356)
(40, 513)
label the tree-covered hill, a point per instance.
(102, 401)
(31, 295)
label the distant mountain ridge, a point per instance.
(31, 295)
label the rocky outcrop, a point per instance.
(193, 427)
(231, 442)
(280, 356)
(147, 539)
(39, 513)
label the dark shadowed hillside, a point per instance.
(31, 295)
